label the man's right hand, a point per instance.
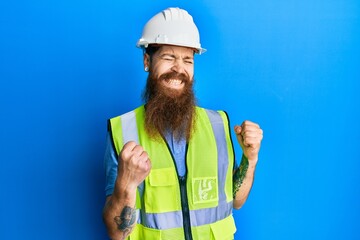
(119, 212)
(134, 165)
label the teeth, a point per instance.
(175, 82)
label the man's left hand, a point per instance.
(249, 136)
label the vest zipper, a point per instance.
(185, 208)
(183, 196)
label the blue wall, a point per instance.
(292, 66)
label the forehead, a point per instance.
(176, 50)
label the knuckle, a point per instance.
(138, 149)
(129, 144)
(124, 152)
(145, 155)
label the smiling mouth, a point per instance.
(174, 83)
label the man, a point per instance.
(170, 164)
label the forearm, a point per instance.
(119, 212)
(243, 179)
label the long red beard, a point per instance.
(167, 109)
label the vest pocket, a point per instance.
(161, 191)
(223, 229)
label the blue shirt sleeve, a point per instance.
(110, 166)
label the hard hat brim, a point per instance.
(145, 44)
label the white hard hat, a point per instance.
(172, 26)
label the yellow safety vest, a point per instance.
(197, 206)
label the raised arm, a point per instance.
(249, 136)
(119, 211)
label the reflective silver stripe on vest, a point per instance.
(175, 220)
(129, 128)
(130, 133)
(162, 220)
(198, 217)
(223, 158)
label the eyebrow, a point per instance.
(174, 56)
(167, 54)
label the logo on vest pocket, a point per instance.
(205, 190)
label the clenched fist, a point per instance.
(134, 165)
(249, 136)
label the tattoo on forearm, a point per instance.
(126, 219)
(239, 175)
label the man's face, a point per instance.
(172, 66)
(169, 94)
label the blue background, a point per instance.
(292, 66)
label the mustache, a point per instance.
(174, 75)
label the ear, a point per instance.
(146, 60)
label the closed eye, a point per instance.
(168, 57)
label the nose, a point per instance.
(178, 66)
